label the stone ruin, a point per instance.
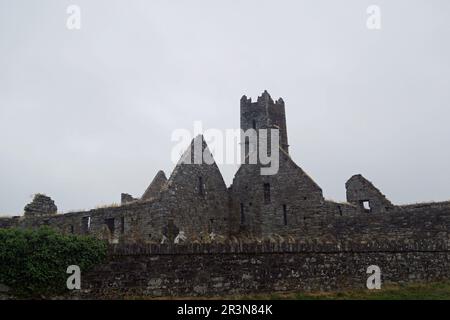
(194, 205)
(40, 206)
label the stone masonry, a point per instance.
(40, 206)
(195, 206)
(192, 235)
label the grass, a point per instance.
(418, 291)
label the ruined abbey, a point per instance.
(191, 235)
(195, 205)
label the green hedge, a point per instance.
(33, 263)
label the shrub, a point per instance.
(33, 263)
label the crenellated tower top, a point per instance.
(263, 114)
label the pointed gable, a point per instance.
(196, 196)
(195, 163)
(155, 187)
(361, 192)
(288, 169)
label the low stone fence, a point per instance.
(244, 268)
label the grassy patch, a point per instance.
(417, 291)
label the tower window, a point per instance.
(285, 215)
(266, 193)
(201, 186)
(254, 124)
(242, 214)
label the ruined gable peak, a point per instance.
(155, 187)
(197, 152)
(196, 155)
(41, 205)
(364, 194)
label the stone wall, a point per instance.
(213, 270)
(41, 205)
(362, 193)
(194, 204)
(281, 203)
(139, 222)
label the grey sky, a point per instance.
(88, 114)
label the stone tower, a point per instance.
(264, 114)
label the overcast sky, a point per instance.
(87, 114)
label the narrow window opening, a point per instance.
(110, 224)
(266, 193)
(122, 225)
(254, 124)
(85, 224)
(285, 215)
(340, 210)
(72, 229)
(201, 186)
(242, 214)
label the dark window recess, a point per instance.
(254, 124)
(211, 225)
(110, 224)
(201, 186)
(242, 214)
(72, 229)
(85, 224)
(122, 225)
(285, 215)
(266, 192)
(340, 210)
